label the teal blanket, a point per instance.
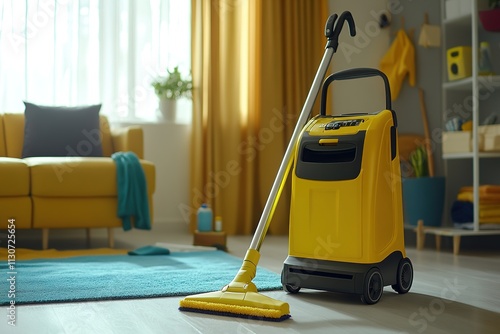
(132, 191)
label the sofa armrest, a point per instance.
(130, 138)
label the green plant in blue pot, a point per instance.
(418, 162)
(423, 195)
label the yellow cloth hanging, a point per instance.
(399, 61)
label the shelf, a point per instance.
(470, 155)
(462, 84)
(451, 231)
(488, 81)
(485, 81)
(470, 92)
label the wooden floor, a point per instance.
(450, 294)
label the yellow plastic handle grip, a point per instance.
(329, 141)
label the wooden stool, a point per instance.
(210, 239)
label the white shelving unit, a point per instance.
(463, 30)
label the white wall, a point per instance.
(363, 50)
(428, 65)
(370, 45)
(167, 145)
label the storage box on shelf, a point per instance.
(456, 142)
(489, 138)
(461, 141)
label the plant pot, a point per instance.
(168, 109)
(423, 199)
(490, 19)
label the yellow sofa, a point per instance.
(64, 192)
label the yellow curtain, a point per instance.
(253, 64)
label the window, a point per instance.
(67, 52)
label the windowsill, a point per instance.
(183, 117)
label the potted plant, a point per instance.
(169, 89)
(490, 18)
(423, 195)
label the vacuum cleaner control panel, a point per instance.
(338, 124)
(330, 125)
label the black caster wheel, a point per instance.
(287, 286)
(404, 277)
(291, 288)
(373, 287)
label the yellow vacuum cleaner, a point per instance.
(240, 297)
(346, 221)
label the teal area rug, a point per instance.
(113, 277)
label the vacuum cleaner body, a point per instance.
(346, 219)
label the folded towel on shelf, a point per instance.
(489, 207)
(483, 198)
(490, 220)
(489, 213)
(462, 212)
(484, 189)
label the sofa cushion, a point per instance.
(14, 177)
(78, 177)
(61, 131)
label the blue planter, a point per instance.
(423, 198)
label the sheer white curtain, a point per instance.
(74, 52)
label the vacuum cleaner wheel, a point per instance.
(288, 287)
(404, 276)
(373, 287)
(291, 288)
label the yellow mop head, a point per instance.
(239, 298)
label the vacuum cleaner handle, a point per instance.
(332, 32)
(355, 73)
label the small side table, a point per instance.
(210, 239)
(438, 232)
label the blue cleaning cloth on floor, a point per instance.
(150, 250)
(132, 191)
